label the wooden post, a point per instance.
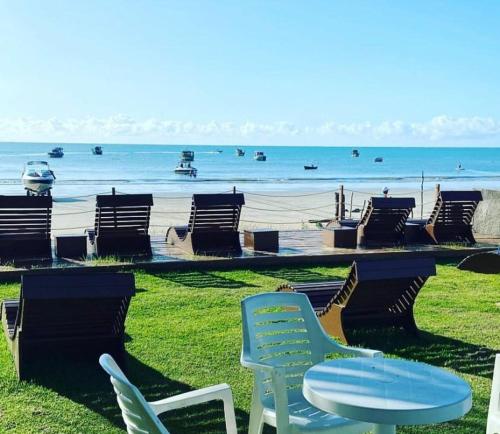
(337, 205)
(342, 202)
(234, 189)
(350, 205)
(362, 209)
(438, 190)
(113, 191)
(422, 197)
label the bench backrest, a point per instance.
(216, 212)
(25, 217)
(389, 284)
(74, 306)
(387, 213)
(455, 208)
(123, 214)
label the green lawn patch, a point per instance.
(184, 332)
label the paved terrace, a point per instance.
(297, 247)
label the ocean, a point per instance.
(150, 168)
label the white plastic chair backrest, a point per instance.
(282, 330)
(137, 413)
(493, 426)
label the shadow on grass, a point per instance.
(429, 348)
(202, 279)
(92, 388)
(297, 275)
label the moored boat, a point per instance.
(37, 178)
(97, 150)
(310, 166)
(355, 153)
(187, 155)
(240, 152)
(378, 160)
(185, 168)
(259, 156)
(56, 152)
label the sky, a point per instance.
(332, 73)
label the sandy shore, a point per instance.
(290, 210)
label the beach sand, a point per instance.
(290, 210)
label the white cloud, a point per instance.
(125, 128)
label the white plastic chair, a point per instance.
(282, 338)
(141, 417)
(493, 426)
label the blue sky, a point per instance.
(263, 72)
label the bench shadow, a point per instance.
(203, 279)
(92, 388)
(430, 348)
(297, 275)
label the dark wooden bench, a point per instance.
(122, 224)
(378, 293)
(213, 226)
(451, 218)
(483, 262)
(83, 315)
(25, 227)
(383, 223)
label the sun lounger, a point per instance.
(77, 314)
(25, 226)
(451, 218)
(213, 226)
(383, 222)
(122, 224)
(378, 293)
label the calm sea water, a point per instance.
(150, 168)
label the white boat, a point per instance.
(37, 178)
(259, 156)
(187, 156)
(184, 168)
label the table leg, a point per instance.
(384, 429)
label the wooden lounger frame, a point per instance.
(79, 314)
(122, 224)
(451, 218)
(383, 222)
(213, 226)
(378, 293)
(25, 227)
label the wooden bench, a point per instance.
(25, 228)
(82, 314)
(376, 293)
(122, 224)
(451, 218)
(213, 226)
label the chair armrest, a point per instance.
(194, 397)
(256, 366)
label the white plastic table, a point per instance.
(387, 392)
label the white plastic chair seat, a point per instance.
(307, 418)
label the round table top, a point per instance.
(387, 391)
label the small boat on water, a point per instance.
(259, 156)
(187, 156)
(378, 160)
(459, 167)
(185, 168)
(37, 178)
(355, 153)
(97, 150)
(310, 167)
(56, 153)
(240, 152)
(219, 151)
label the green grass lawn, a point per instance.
(184, 332)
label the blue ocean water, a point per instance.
(133, 168)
